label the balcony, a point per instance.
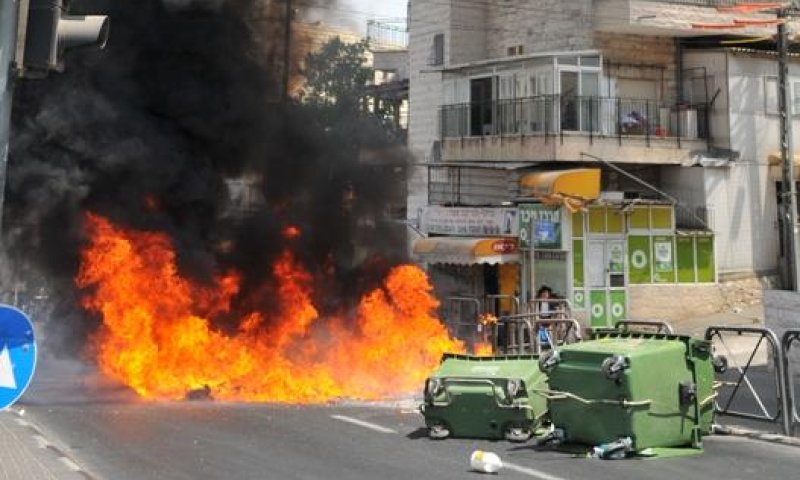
(677, 18)
(561, 128)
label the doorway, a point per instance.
(481, 95)
(605, 276)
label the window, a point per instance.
(438, 49)
(515, 50)
(771, 95)
(796, 98)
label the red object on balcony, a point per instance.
(752, 7)
(758, 21)
(716, 26)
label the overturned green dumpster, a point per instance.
(485, 397)
(633, 390)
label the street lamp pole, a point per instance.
(788, 188)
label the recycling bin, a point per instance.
(656, 389)
(485, 397)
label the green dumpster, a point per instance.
(656, 389)
(485, 397)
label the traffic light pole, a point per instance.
(788, 188)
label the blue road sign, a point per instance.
(17, 354)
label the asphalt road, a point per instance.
(112, 435)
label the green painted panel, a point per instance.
(685, 256)
(663, 259)
(662, 218)
(579, 300)
(597, 305)
(577, 224)
(639, 259)
(597, 220)
(640, 218)
(618, 305)
(577, 263)
(705, 259)
(615, 220)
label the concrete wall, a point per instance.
(427, 18)
(539, 26)
(744, 196)
(392, 60)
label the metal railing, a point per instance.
(790, 338)
(724, 405)
(555, 115)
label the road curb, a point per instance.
(757, 435)
(43, 442)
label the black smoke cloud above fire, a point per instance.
(147, 131)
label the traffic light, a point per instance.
(45, 30)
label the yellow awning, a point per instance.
(466, 251)
(581, 183)
(574, 188)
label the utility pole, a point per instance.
(287, 50)
(788, 189)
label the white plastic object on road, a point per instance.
(485, 462)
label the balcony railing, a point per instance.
(557, 115)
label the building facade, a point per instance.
(673, 105)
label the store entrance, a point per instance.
(605, 261)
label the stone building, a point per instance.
(647, 126)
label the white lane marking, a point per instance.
(530, 472)
(362, 423)
(70, 464)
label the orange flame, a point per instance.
(157, 336)
(291, 232)
(483, 349)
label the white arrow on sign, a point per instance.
(7, 379)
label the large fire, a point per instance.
(157, 334)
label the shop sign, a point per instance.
(470, 221)
(540, 225)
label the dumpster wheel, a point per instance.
(518, 434)
(438, 432)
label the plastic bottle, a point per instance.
(485, 462)
(616, 450)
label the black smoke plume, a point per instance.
(148, 131)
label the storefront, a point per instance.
(472, 253)
(588, 250)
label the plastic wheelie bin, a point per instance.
(485, 397)
(648, 389)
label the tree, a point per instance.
(337, 75)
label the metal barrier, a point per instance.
(514, 334)
(493, 300)
(790, 337)
(463, 327)
(559, 331)
(556, 307)
(659, 325)
(520, 333)
(781, 410)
